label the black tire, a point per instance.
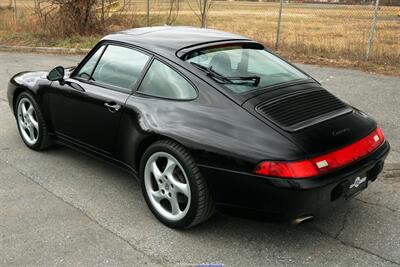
(43, 141)
(201, 207)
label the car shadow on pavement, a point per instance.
(112, 198)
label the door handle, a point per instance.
(112, 106)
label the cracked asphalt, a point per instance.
(60, 207)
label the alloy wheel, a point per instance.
(167, 186)
(28, 121)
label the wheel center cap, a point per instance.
(166, 186)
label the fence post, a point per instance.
(102, 13)
(14, 3)
(278, 26)
(372, 30)
(148, 14)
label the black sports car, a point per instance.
(204, 119)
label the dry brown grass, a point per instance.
(323, 31)
(337, 33)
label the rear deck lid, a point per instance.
(300, 109)
(310, 116)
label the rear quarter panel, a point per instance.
(217, 131)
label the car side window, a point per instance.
(87, 69)
(163, 81)
(119, 66)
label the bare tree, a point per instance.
(66, 17)
(79, 14)
(81, 17)
(125, 16)
(201, 10)
(173, 11)
(108, 8)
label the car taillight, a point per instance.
(324, 163)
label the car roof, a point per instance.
(171, 39)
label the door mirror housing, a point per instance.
(56, 74)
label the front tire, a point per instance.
(173, 186)
(31, 124)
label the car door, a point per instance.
(86, 108)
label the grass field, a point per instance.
(334, 32)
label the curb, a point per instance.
(47, 50)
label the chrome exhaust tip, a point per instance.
(303, 219)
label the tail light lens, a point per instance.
(323, 163)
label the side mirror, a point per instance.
(56, 74)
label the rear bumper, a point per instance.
(287, 199)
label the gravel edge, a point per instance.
(48, 50)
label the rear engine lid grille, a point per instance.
(299, 110)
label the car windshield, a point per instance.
(242, 69)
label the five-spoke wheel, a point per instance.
(27, 121)
(31, 124)
(167, 186)
(173, 187)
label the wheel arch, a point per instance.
(16, 93)
(21, 89)
(146, 143)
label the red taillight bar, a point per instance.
(324, 163)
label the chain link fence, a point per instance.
(336, 29)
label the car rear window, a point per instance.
(242, 69)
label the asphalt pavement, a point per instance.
(60, 207)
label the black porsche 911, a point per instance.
(205, 119)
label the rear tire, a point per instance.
(173, 186)
(30, 121)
